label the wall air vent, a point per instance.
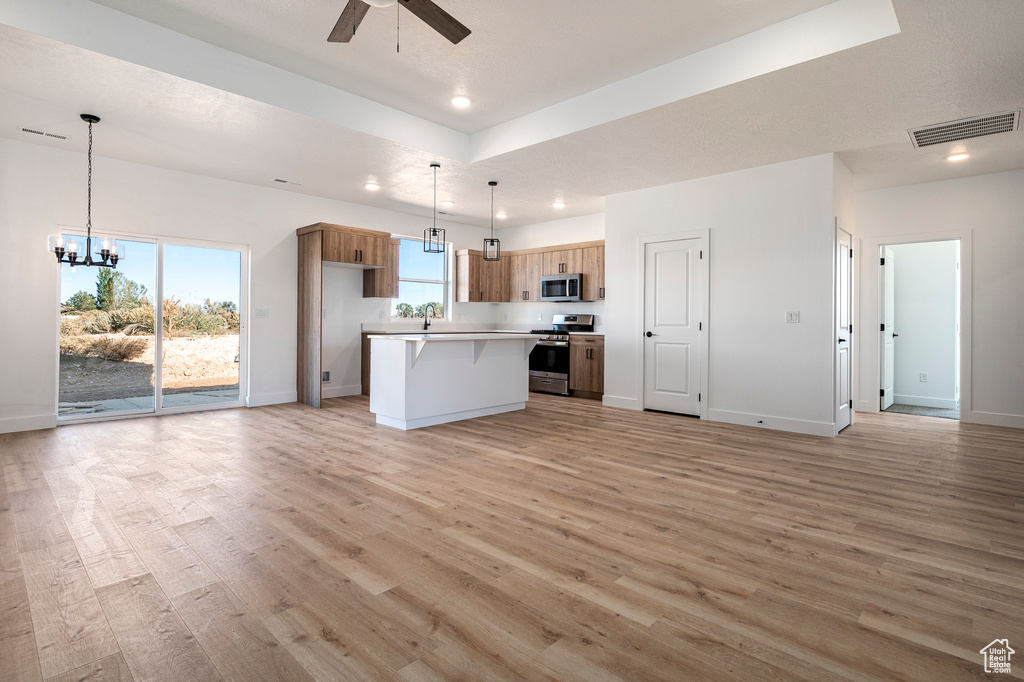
(964, 129)
(42, 133)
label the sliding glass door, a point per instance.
(165, 331)
(202, 291)
(107, 341)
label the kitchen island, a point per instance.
(419, 380)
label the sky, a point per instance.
(191, 274)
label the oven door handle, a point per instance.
(560, 344)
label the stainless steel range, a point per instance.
(549, 360)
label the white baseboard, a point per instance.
(409, 424)
(34, 423)
(1014, 421)
(341, 391)
(924, 401)
(625, 403)
(810, 428)
(261, 399)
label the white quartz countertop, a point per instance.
(457, 336)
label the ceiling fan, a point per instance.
(434, 17)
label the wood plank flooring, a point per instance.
(568, 541)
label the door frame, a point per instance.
(243, 328)
(704, 235)
(868, 316)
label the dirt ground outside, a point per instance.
(199, 362)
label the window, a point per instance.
(422, 279)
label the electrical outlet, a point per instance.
(792, 316)
(261, 312)
(326, 377)
(924, 377)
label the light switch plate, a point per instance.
(261, 312)
(924, 377)
(792, 316)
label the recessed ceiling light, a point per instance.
(447, 202)
(372, 186)
(957, 157)
(559, 204)
(501, 215)
(460, 102)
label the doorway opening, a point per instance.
(164, 332)
(920, 328)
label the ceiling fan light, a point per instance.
(380, 3)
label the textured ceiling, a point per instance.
(521, 56)
(951, 59)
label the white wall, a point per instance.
(925, 286)
(771, 234)
(990, 209)
(42, 187)
(587, 228)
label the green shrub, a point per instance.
(119, 349)
(71, 326)
(190, 319)
(95, 322)
(106, 347)
(133, 320)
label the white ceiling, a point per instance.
(573, 100)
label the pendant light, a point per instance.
(492, 246)
(433, 238)
(68, 252)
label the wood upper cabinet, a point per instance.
(479, 280)
(524, 278)
(383, 282)
(593, 273)
(563, 262)
(586, 364)
(350, 245)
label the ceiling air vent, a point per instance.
(964, 129)
(42, 133)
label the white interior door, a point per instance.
(672, 326)
(844, 310)
(888, 316)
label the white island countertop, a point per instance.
(424, 379)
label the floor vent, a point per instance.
(964, 129)
(43, 133)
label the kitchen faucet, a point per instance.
(426, 318)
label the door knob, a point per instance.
(895, 335)
(842, 340)
(650, 334)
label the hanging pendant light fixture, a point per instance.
(433, 238)
(492, 246)
(68, 252)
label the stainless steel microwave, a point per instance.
(561, 287)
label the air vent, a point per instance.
(42, 133)
(965, 129)
(286, 182)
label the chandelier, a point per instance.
(67, 251)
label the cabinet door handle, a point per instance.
(601, 294)
(481, 295)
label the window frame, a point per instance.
(446, 282)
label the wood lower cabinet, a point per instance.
(479, 280)
(383, 282)
(586, 365)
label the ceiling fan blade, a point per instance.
(437, 19)
(348, 22)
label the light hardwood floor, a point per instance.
(569, 541)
